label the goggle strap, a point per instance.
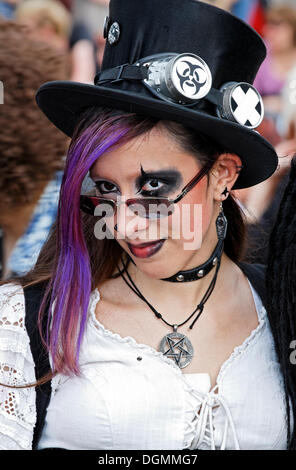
(122, 72)
(139, 73)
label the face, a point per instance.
(155, 165)
(279, 35)
(44, 33)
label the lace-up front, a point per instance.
(130, 396)
(202, 424)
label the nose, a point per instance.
(128, 224)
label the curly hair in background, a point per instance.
(31, 148)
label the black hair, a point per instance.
(281, 299)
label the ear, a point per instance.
(224, 174)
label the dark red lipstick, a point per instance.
(145, 250)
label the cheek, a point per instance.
(191, 219)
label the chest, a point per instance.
(212, 341)
(122, 403)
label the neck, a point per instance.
(166, 296)
(186, 294)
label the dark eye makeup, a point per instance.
(153, 183)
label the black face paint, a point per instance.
(169, 179)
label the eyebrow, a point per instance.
(169, 173)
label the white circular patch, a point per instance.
(246, 105)
(191, 76)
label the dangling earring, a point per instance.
(221, 224)
(115, 228)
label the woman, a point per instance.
(167, 345)
(51, 22)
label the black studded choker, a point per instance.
(199, 271)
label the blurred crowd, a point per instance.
(44, 40)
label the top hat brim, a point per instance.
(63, 101)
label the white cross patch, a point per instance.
(246, 111)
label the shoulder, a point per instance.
(17, 405)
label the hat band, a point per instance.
(185, 79)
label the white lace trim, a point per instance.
(94, 298)
(199, 430)
(17, 406)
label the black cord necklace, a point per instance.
(175, 345)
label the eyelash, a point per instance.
(99, 185)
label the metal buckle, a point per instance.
(120, 67)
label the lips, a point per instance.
(140, 245)
(145, 250)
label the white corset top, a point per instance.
(130, 396)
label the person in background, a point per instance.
(225, 4)
(252, 11)
(31, 150)
(51, 22)
(48, 20)
(276, 82)
(289, 114)
(280, 37)
(92, 13)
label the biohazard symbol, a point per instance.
(190, 77)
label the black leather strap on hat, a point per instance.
(122, 72)
(139, 73)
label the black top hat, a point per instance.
(179, 60)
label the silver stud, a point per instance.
(215, 261)
(180, 277)
(200, 273)
(114, 33)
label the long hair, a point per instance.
(73, 262)
(281, 288)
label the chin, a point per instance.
(156, 271)
(157, 268)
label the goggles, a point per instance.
(185, 79)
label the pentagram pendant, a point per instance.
(178, 347)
